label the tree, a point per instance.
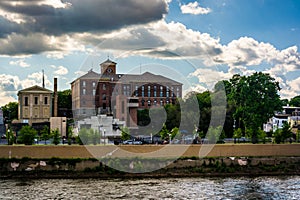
(65, 103)
(95, 136)
(164, 132)
(125, 133)
(280, 135)
(55, 135)
(10, 111)
(295, 101)
(27, 135)
(70, 134)
(262, 136)
(45, 133)
(175, 133)
(286, 131)
(256, 98)
(84, 136)
(237, 134)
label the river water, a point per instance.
(167, 188)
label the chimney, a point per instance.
(43, 80)
(55, 98)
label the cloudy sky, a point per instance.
(199, 41)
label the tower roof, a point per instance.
(108, 62)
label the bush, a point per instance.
(27, 135)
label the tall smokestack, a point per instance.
(43, 80)
(55, 97)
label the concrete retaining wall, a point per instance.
(150, 151)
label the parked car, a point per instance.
(132, 142)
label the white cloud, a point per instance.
(60, 70)
(10, 85)
(194, 9)
(55, 3)
(20, 63)
(209, 76)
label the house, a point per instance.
(290, 115)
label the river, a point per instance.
(167, 188)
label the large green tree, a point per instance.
(10, 111)
(256, 98)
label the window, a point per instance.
(36, 100)
(83, 83)
(103, 96)
(94, 84)
(161, 91)
(149, 102)
(177, 91)
(46, 100)
(103, 87)
(168, 91)
(155, 102)
(172, 90)
(126, 90)
(84, 91)
(136, 90)
(26, 101)
(143, 102)
(154, 90)
(149, 91)
(161, 102)
(94, 92)
(143, 91)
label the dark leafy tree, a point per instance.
(295, 101)
(65, 103)
(56, 137)
(45, 133)
(10, 111)
(256, 98)
(27, 135)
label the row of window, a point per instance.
(84, 84)
(84, 92)
(36, 101)
(155, 102)
(155, 91)
(127, 91)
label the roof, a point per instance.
(89, 75)
(147, 77)
(108, 62)
(35, 89)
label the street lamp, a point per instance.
(104, 135)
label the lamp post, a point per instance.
(104, 135)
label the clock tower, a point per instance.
(108, 67)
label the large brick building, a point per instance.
(121, 95)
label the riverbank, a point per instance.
(141, 168)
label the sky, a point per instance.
(195, 42)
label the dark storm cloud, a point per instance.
(82, 15)
(29, 44)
